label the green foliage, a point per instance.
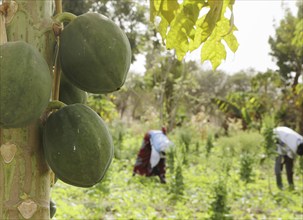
(287, 113)
(219, 207)
(169, 80)
(286, 46)
(248, 106)
(179, 158)
(184, 28)
(121, 196)
(177, 186)
(227, 107)
(197, 146)
(246, 166)
(266, 83)
(269, 145)
(118, 134)
(287, 50)
(209, 144)
(171, 160)
(185, 139)
(173, 92)
(103, 105)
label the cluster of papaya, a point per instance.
(95, 57)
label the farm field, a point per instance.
(83, 83)
(224, 181)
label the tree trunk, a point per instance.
(24, 174)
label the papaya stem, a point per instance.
(52, 105)
(58, 5)
(64, 17)
(57, 67)
(57, 74)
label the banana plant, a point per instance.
(244, 106)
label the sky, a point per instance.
(255, 20)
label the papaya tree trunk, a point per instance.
(24, 174)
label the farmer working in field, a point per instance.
(151, 157)
(289, 144)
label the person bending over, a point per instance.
(151, 156)
(289, 144)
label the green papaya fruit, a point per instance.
(25, 85)
(70, 94)
(77, 145)
(95, 53)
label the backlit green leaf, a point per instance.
(232, 42)
(181, 29)
(187, 25)
(213, 51)
(162, 28)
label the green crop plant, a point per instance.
(177, 186)
(171, 160)
(209, 144)
(219, 208)
(119, 134)
(197, 146)
(246, 167)
(269, 145)
(185, 139)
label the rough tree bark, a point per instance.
(24, 174)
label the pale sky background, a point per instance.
(255, 20)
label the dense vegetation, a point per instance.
(225, 178)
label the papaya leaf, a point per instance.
(190, 12)
(164, 9)
(181, 26)
(231, 42)
(190, 24)
(162, 28)
(199, 34)
(154, 6)
(213, 51)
